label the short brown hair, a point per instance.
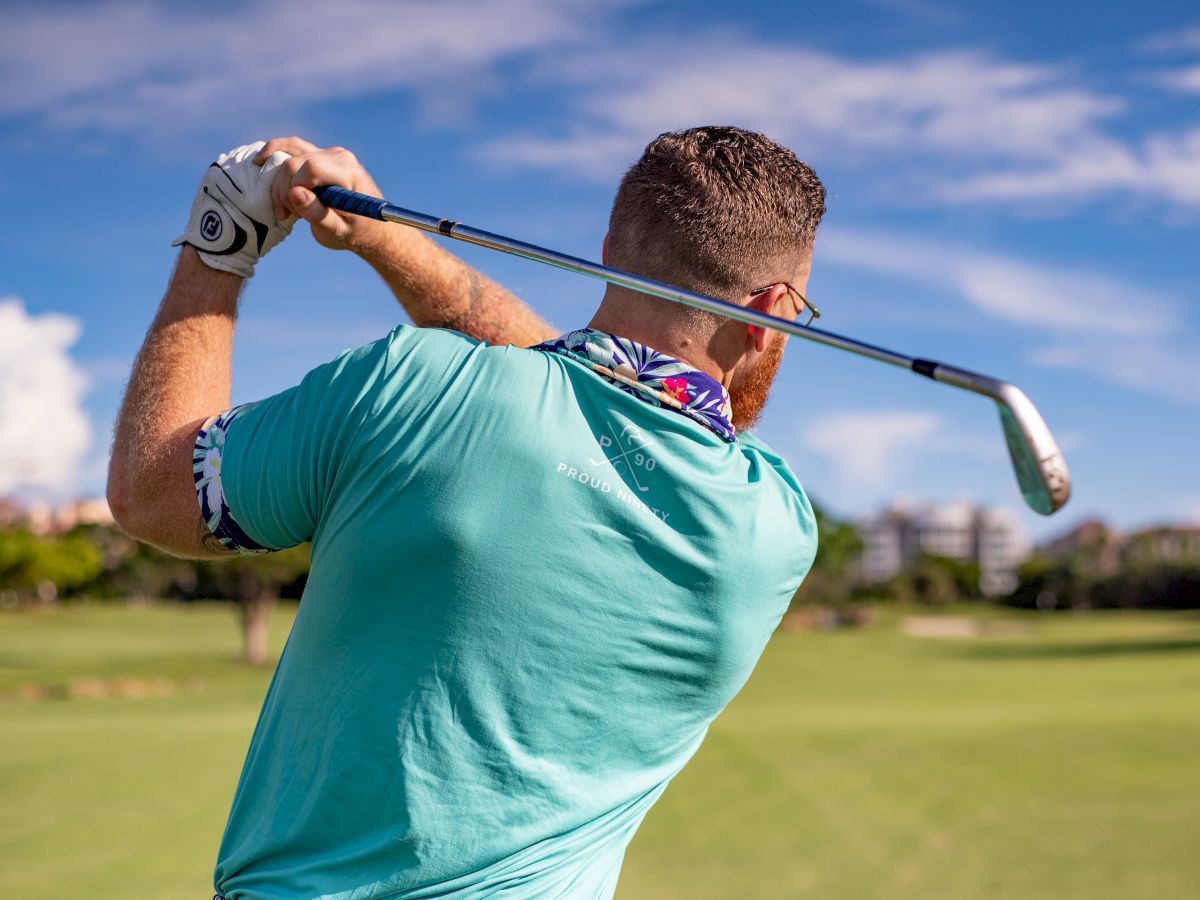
(712, 208)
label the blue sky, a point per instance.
(1013, 188)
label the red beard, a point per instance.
(749, 392)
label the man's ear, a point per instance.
(604, 251)
(767, 302)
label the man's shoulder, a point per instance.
(405, 340)
(756, 447)
(411, 370)
(409, 351)
(794, 520)
(414, 339)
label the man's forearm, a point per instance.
(436, 288)
(439, 290)
(181, 376)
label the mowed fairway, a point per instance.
(1060, 762)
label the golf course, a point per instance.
(1030, 756)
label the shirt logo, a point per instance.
(630, 453)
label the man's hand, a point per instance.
(308, 167)
(233, 222)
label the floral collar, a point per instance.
(651, 376)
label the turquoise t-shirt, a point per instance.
(531, 593)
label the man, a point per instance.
(537, 574)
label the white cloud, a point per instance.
(132, 66)
(44, 431)
(583, 153)
(1161, 166)
(1173, 41)
(1058, 299)
(997, 130)
(1166, 368)
(867, 447)
(929, 13)
(1185, 80)
(1112, 329)
(964, 105)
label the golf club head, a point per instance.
(1038, 463)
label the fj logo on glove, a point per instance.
(210, 226)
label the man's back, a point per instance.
(531, 592)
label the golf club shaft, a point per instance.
(375, 208)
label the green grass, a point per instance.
(1060, 763)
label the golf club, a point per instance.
(1039, 465)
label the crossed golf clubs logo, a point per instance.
(632, 452)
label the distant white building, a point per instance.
(992, 538)
(1001, 545)
(889, 541)
(947, 530)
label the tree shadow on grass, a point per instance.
(998, 651)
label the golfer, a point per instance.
(541, 564)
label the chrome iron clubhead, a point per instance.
(1036, 460)
(1038, 463)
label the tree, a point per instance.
(256, 582)
(840, 546)
(47, 567)
(134, 571)
(833, 578)
(936, 581)
(1069, 584)
(102, 561)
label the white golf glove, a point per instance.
(232, 223)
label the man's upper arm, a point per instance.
(191, 514)
(264, 472)
(261, 476)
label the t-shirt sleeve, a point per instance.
(264, 471)
(801, 515)
(268, 473)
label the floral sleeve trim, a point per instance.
(206, 469)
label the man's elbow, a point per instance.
(132, 513)
(120, 502)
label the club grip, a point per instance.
(351, 201)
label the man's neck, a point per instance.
(665, 338)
